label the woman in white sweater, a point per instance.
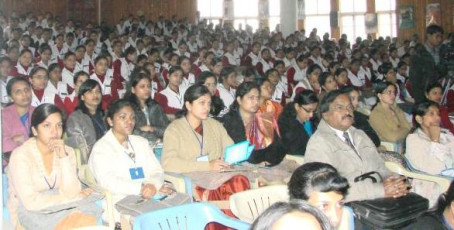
(123, 163)
(429, 148)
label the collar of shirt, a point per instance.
(340, 134)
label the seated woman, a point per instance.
(151, 121)
(245, 121)
(188, 78)
(361, 120)
(403, 99)
(196, 142)
(322, 186)
(386, 118)
(39, 78)
(85, 125)
(42, 174)
(226, 87)
(429, 148)
(282, 215)
(440, 217)
(341, 76)
(434, 92)
(55, 85)
(24, 64)
(16, 115)
(208, 79)
(171, 98)
(124, 163)
(296, 123)
(311, 82)
(72, 100)
(327, 83)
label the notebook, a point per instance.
(238, 152)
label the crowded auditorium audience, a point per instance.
(116, 93)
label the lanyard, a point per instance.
(195, 134)
(131, 154)
(48, 184)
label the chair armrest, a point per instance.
(87, 178)
(181, 183)
(443, 182)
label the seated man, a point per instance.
(351, 152)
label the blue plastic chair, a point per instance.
(5, 197)
(194, 216)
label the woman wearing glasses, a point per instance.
(296, 122)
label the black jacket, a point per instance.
(294, 136)
(424, 71)
(362, 122)
(272, 154)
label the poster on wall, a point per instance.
(406, 20)
(264, 9)
(371, 21)
(301, 10)
(433, 14)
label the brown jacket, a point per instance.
(385, 124)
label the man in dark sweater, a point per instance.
(426, 66)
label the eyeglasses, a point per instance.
(339, 108)
(307, 110)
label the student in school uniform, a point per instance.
(297, 72)
(58, 48)
(188, 78)
(67, 73)
(72, 100)
(123, 67)
(265, 62)
(45, 55)
(227, 82)
(229, 58)
(25, 43)
(39, 78)
(153, 56)
(172, 97)
(353, 74)
(173, 61)
(90, 54)
(24, 64)
(110, 86)
(182, 50)
(55, 85)
(5, 69)
(252, 58)
(81, 63)
(206, 64)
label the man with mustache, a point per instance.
(351, 152)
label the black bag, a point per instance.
(389, 213)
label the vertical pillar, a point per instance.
(289, 17)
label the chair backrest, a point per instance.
(194, 216)
(248, 205)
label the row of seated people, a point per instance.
(183, 147)
(275, 112)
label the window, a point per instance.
(387, 23)
(352, 18)
(211, 10)
(317, 16)
(275, 13)
(246, 13)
